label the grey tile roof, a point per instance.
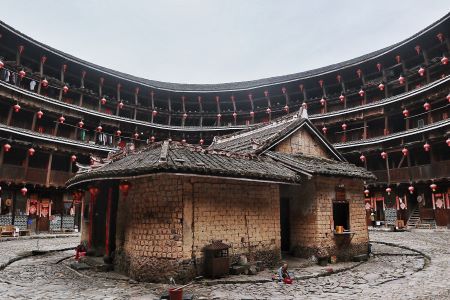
(319, 166)
(243, 85)
(178, 158)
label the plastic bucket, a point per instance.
(175, 294)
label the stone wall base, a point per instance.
(342, 252)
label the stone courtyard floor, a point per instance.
(407, 265)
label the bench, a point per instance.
(24, 232)
(9, 230)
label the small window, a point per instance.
(341, 215)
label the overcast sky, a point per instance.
(208, 41)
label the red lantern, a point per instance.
(321, 82)
(283, 90)
(39, 114)
(448, 97)
(154, 113)
(339, 78)
(1, 64)
(427, 106)
(448, 142)
(61, 119)
(31, 151)
(362, 158)
(379, 67)
(323, 101)
(201, 141)
(361, 92)
(6, 147)
(93, 191)
(344, 126)
(24, 191)
(252, 114)
(136, 135)
(118, 132)
(44, 83)
(388, 190)
(73, 158)
(444, 60)
(234, 115)
(426, 147)
(286, 108)
(103, 101)
(81, 124)
(22, 74)
(433, 187)
(366, 192)
(120, 105)
(411, 189)
(397, 58)
(185, 115)
(99, 128)
(16, 107)
(219, 116)
(268, 110)
(421, 71)
(65, 89)
(405, 113)
(324, 130)
(266, 93)
(341, 98)
(152, 138)
(124, 186)
(383, 155)
(405, 151)
(359, 73)
(381, 86)
(401, 79)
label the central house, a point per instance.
(275, 187)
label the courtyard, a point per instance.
(410, 265)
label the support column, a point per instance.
(386, 125)
(41, 73)
(19, 54)
(10, 114)
(386, 93)
(61, 78)
(365, 130)
(83, 75)
(108, 222)
(201, 110)
(218, 110)
(233, 101)
(427, 63)
(33, 122)
(153, 105)
(136, 100)
(49, 169)
(250, 97)
(100, 93)
(183, 119)
(169, 103)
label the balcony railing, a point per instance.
(405, 175)
(18, 174)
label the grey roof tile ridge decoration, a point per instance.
(52, 138)
(392, 136)
(383, 101)
(319, 165)
(231, 86)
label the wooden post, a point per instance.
(201, 110)
(386, 93)
(218, 110)
(49, 169)
(153, 105)
(344, 92)
(41, 74)
(169, 121)
(108, 221)
(250, 97)
(136, 101)
(10, 114)
(62, 80)
(386, 125)
(426, 61)
(387, 170)
(33, 122)
(365, 129)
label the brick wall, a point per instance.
(302, 142)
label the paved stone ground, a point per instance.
(392, 273)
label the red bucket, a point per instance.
(175, 294)
(287, 281)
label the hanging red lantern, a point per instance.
(152, 138)
(73, 158)
(136, 135)
(219, 116)
(427, 106)
(183, 141)
(362, 158)
(283, 90)
(448, 97)
(426, 147)
(23, 191)
(383, 155)
(65, 89)
(411, 189)
(381, 86)
(94, 191)
(398, 58)
(323, 101)
(39, 114)
(361, 92)
(433, 187)
(120, 105)
(99, 128)
(252, 114)
(324, 130)
(22, 74)
(44, 83)
(266, 93)
(31, 151)
(201, 141)
(341, 98)
(344, 126)
(448, 142)
(154, 113)
(405, 151)
(421, 71)
(61, 119)
(16, 107)
(359, 73)
(286, 108)
(339, 78)
(1, 64)
(401, 79)
(81, 124)
(185, 115)
(321, 82)
(379, 67)
(103, 101)
(118, 132)
(405, 113)
(268, 110)
(234, 115)
(366, 192)
(6, 147)
(124, 187)
(388, 190)
(444, 60)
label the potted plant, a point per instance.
(322, 256)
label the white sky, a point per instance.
(209, 41)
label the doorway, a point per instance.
(285, 225)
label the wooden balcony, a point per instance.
(426, 172)
(17, 174)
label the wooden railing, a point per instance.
(426, 172)
(18, 174)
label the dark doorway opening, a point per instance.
(341, 214)
(285, 225)
(380, 211)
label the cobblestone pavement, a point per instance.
(392, 273)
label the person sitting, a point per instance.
(283, 274)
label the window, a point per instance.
(341, 215)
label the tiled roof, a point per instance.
(178, 158)
(319, 166)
